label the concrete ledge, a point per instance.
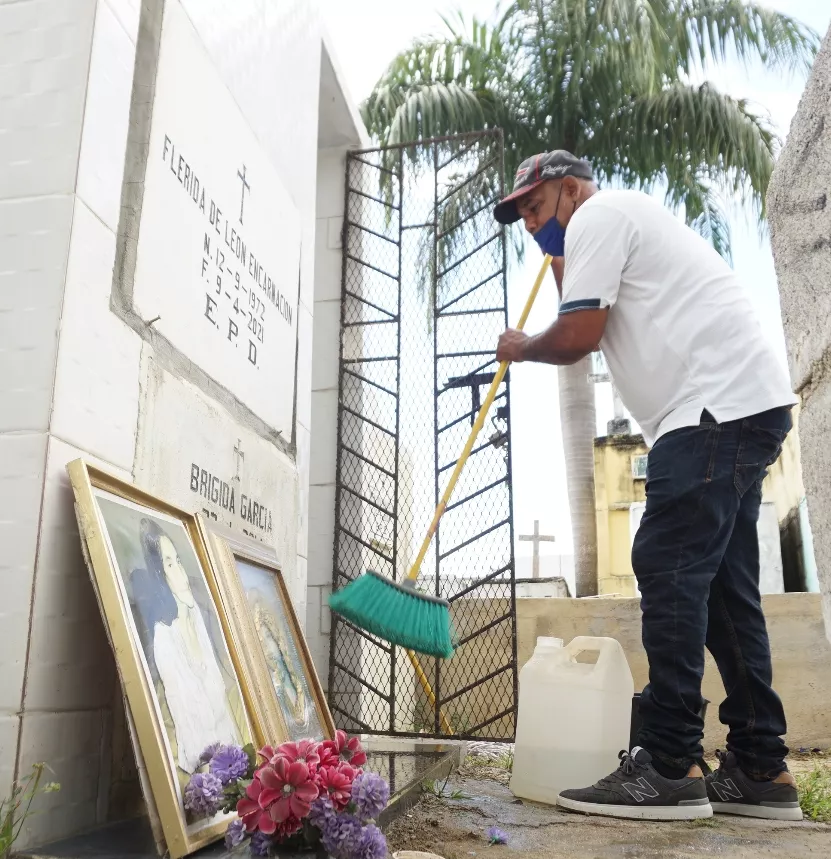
(801, 654)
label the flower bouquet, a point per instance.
(299, 796)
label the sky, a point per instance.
(367, 35)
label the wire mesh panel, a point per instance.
(424, 301)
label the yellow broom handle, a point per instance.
(446, 726)
(477, 426)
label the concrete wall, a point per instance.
(800, 654)
(81, 377)
(800, 220)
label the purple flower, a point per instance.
(370, 793)
(229, 763)
(203, 794)
(341, 836)
(322, 812)
(260, 844)
(210, 751)
(372, 845)
(235, 835)
(497, 836)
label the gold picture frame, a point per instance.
(251, 582)
(167, 656)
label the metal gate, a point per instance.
(423, 303)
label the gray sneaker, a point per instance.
(732, 792)
(636, 790)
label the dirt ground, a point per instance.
(456, 828)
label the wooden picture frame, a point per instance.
(172, 640)
(251, 581)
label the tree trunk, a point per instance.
(579, 424)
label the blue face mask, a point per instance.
(551, 237)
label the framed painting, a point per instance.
(251, 581)
(182, 678)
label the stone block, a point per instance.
(304, 442)
(22, 467)
(192, 453)
(34, 240)
(71, 666)
(97, 380)
(326, 365)
(300, 594)
(305, 351)
(331, 165)
(9, 725)
(106, 117)
(324, 436)
(328, 263)
(75, 746)
(45, 45)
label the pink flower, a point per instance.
(328, 754)
(305, 752)
(288, 827)
(267, 753)
(348, 749)
(288, 790)
(336, 784)
(253, 812)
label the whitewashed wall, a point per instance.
(76, 379)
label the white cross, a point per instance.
(245, 187)
(536, 538)
(240, 457)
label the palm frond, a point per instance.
(608, 80)
(692, 129)
(712, 30)
(703, 209)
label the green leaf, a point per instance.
(252, 758)
(609, 81)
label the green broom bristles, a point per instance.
(397, 613)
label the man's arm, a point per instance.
(570, 338)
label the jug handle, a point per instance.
(589, 644)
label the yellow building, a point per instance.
(619, 482)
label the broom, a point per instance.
(397, 612)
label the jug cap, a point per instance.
(546, 641)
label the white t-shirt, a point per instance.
(682, 335)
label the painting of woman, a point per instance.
(197, 692)
(194, 688)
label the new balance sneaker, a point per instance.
(637, 790)
(732, 792)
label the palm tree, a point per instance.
(611, 81)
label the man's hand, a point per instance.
(511, 346)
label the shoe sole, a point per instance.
(694, 811)
(764, 812)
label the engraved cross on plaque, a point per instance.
(536, 538)
(245, 187)
(240, 457)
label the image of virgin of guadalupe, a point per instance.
(286, 671)
(200, 704)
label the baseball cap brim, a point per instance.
(505, 212)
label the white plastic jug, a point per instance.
(574, 716)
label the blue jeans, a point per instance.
(696, 559)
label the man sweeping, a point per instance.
(689, 360)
